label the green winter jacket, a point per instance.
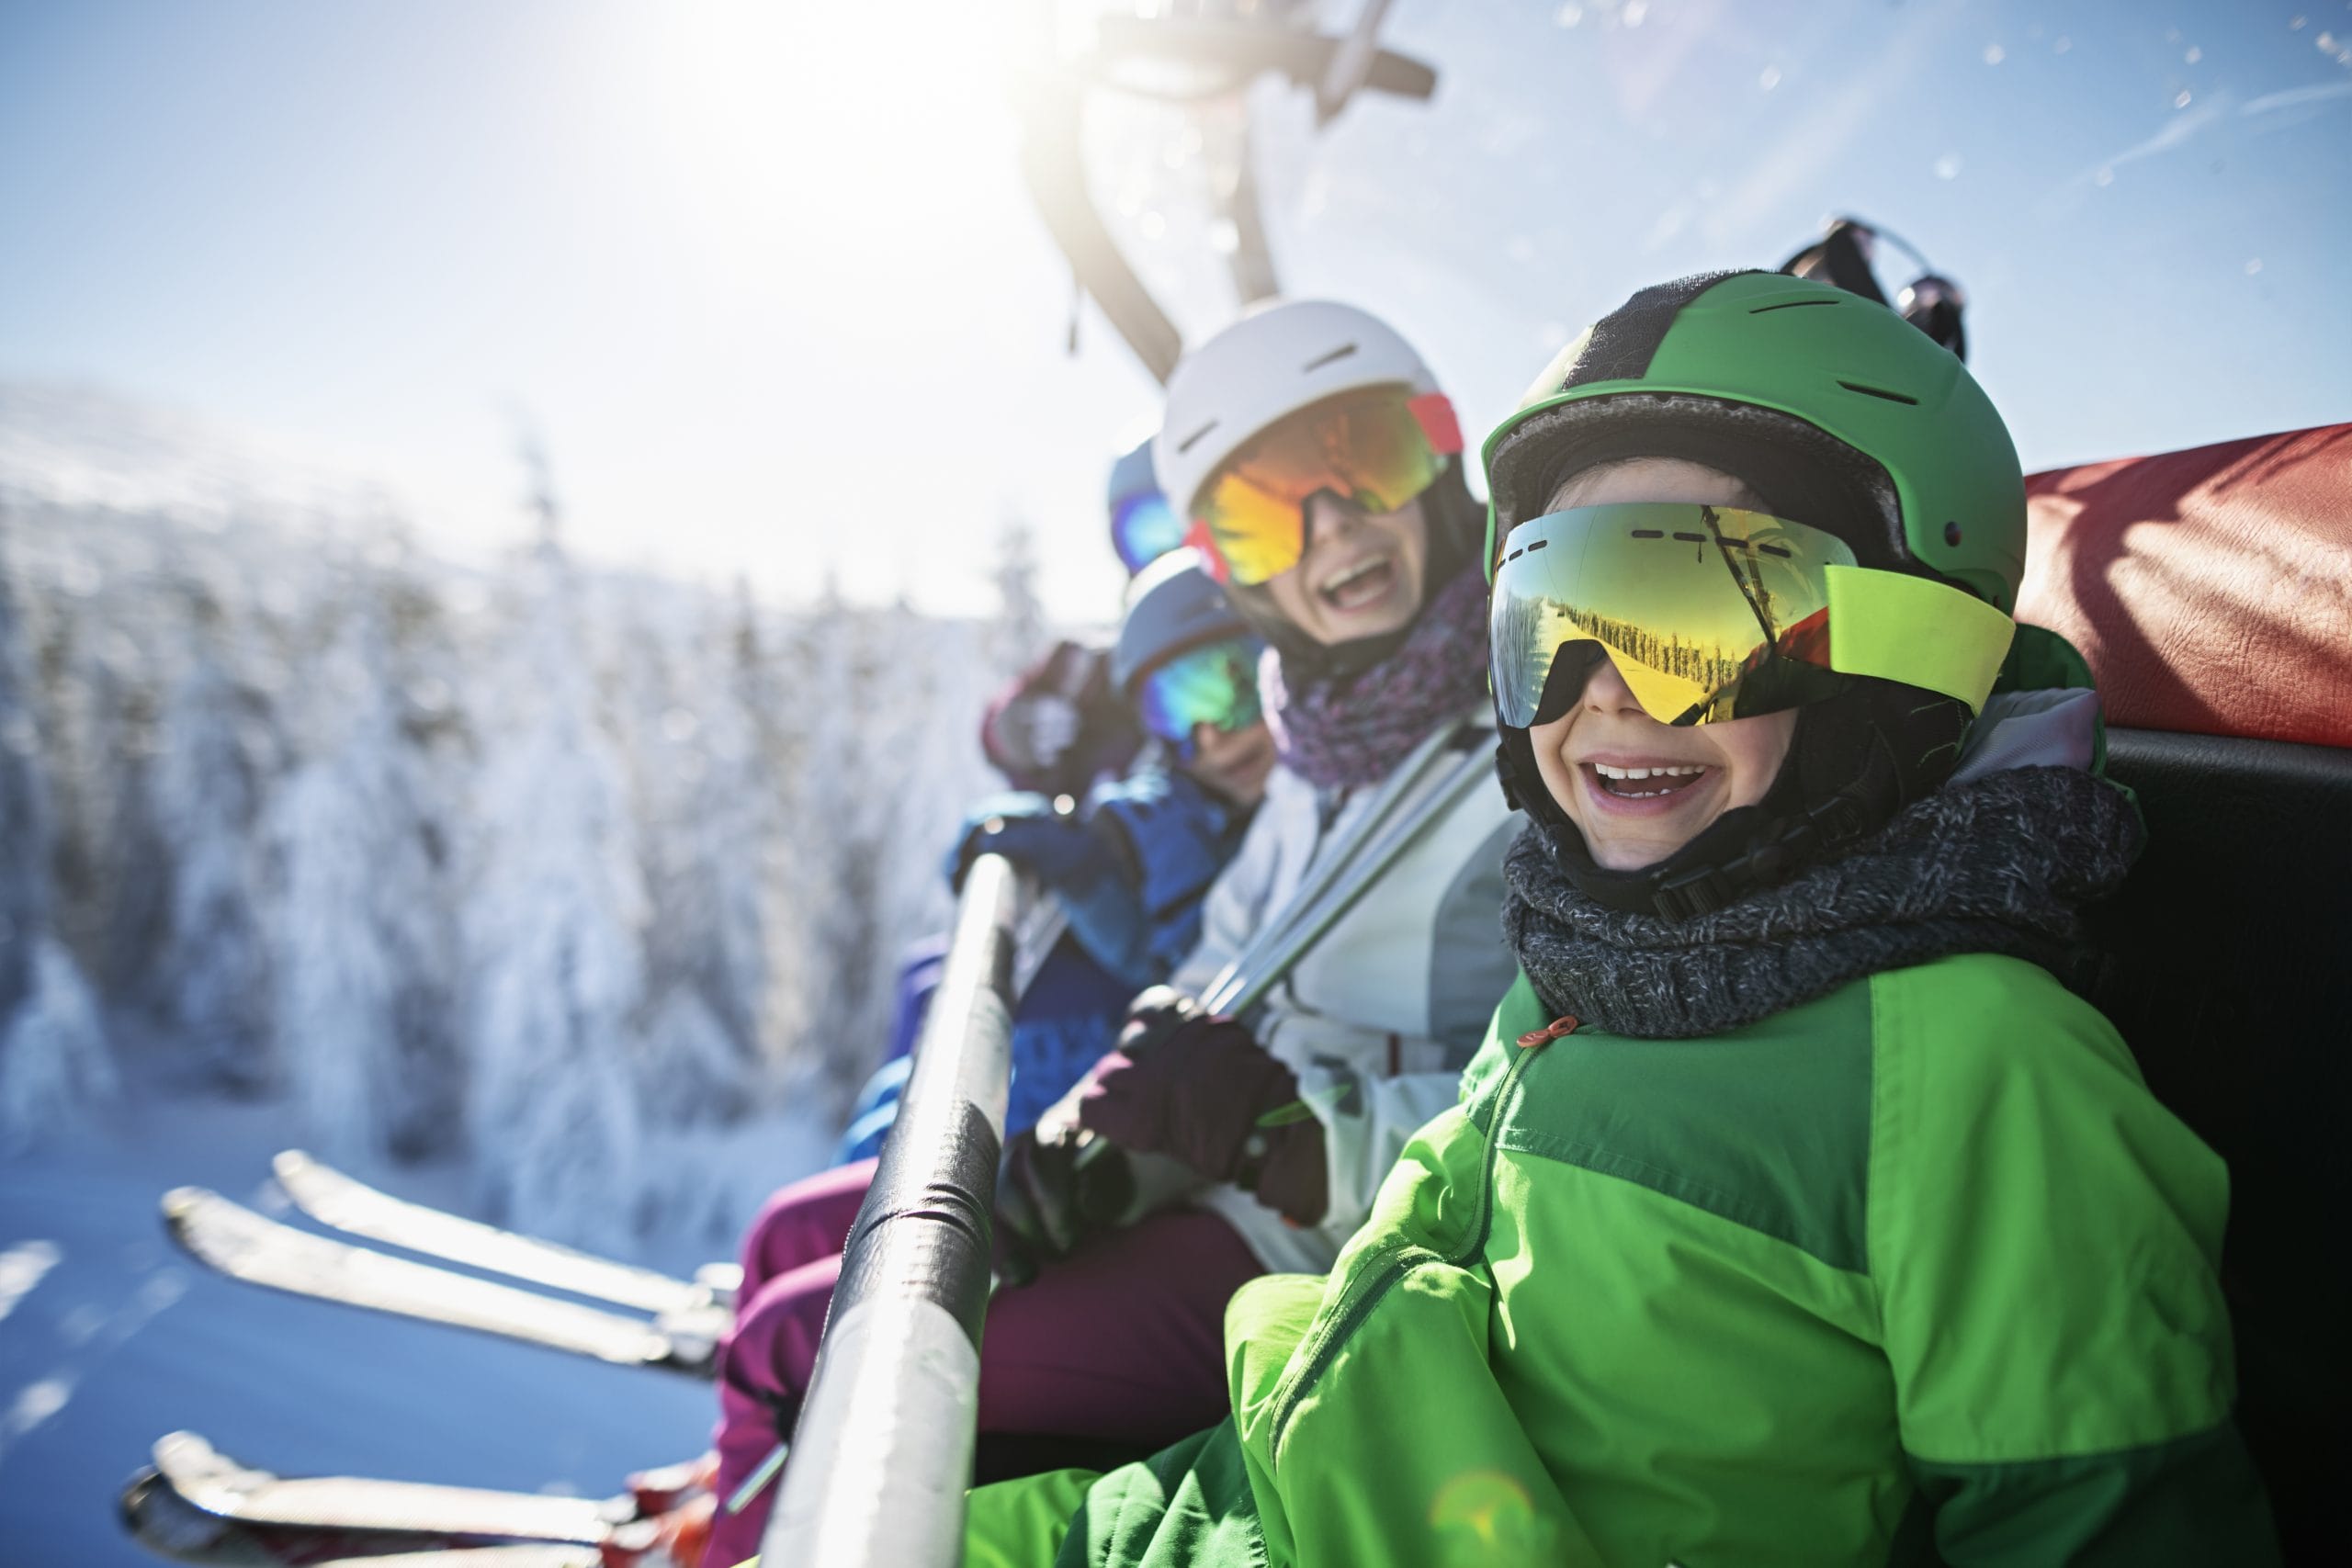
(1919, 1267)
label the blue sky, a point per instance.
(766, 277)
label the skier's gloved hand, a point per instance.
(1061, 724)
(1041, 835)
(1156, 1013)
(1038, 728)
(1052, 1192)
(1203, 1091)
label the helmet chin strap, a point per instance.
(1843, 778)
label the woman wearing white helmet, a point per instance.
(1321, 469)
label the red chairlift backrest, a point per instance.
(2212, 589)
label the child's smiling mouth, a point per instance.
(1645, 789)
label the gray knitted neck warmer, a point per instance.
(1999, 864)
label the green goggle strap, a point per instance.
(1916, 631)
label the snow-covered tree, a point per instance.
(361, 962)
(1020, 610)
(711, 829)
(54, 1057)
(553, 937)
(886, 694)
(54, 1054)
(681, 839)
(24, 809)
(215, 755)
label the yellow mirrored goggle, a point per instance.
(1711, 614)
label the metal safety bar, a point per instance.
(883, 1450)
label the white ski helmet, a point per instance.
(1270, 363)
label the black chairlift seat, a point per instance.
(2211, 591)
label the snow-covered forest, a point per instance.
(588, 879)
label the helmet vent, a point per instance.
(1881, 392)
(1791, 305)
(1194, 439)
(1333, 358)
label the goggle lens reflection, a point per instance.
(1709, 613)
(1216, 684)
(1371, 450)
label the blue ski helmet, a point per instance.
(1184, 656)
(1144, 528)
(1173, 606)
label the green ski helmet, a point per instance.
(1842, 416)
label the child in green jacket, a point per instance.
(1794, 1213)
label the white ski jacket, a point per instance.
(1380, 1016)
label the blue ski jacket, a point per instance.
(1129, 872)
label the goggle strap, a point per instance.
(1916, 631)
(1433, 411)
(1200, 539)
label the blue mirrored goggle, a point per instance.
(1216, 684)
(1144, 528)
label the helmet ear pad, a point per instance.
(1854, 762)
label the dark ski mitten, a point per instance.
(1052, 1193)
(1206, 1093)
(1035, 834)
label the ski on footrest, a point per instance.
(332, 1198)
(166, 1524)
(199, 1506)
(237, 1241)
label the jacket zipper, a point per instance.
(1392, 1268)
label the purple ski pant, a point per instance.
(1124, 1342)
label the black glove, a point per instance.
(1052, 1193)
(1206, 1093)
(1156, 1013)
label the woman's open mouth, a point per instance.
(1360, 586)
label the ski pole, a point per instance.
(1332, 864)
(1236, 993)
(1158, 1177)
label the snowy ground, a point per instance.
(110, 1337)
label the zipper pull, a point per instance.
(1564, 1024)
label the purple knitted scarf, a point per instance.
(1342, 732)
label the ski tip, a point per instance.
(177, 1446)
(181, 1202)
(157, 1518)
(131, 1501)
(290, 1162)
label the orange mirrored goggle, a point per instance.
(1377, 450)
